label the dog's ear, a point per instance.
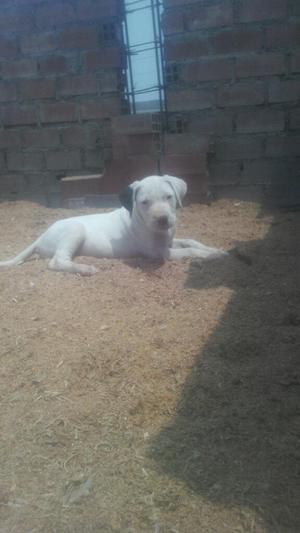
(127, 197)
(179, 187)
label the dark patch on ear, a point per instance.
(126, 198)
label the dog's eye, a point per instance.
(145, 202)
(169, 197)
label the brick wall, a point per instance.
(233, 73)
(59, 87)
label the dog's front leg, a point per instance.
(185, 248)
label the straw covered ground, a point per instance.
(153, 398)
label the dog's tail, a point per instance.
(21, 257)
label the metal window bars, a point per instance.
(156, 86)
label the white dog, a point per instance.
(144, 226)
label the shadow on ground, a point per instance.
(236, 436)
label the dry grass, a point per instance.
(153, 398)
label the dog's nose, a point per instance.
(163, 220)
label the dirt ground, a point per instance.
(153, 398)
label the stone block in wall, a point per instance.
(260, 120)
(208, 69)
(19, 68)
(40, 138)
(10, 138)
(16, 20)
(186, 143)
(260, 65)
(141, 123)
(74, 135)
(78, 38)
(236, 41)
(294, 119)
(264, 172)
(102, 58)
(190, 99)
(93, 159)
(284, 91)
(18, 115)
(188, 48)
(63, 160)
(54, 65)
(77, 85)
(240, 147)
(100, 108)
(241, 94)
(58, 112)
(8, 46)
(91, 10)
(283, 146)
(259, 10)
(8, 91)
(37, 89)
(215, 121)
(214, 15)
(54, 14)
(173, 22)
(295, 62)
(225, 173)
(284, 35)
(24, 161)
(37, 43)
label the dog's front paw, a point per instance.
(87, 270)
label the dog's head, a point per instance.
(154, 200)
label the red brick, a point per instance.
(241, 147)
(59, 112)
(295, 119)
(37, 43)
(100, 108)
(40, 137)
(186, 49)
(19, 68)
(283, 146)
(241, 93)
(25, 161)
(173, 22)
(260, 120)
(74, 136)
(8, 46)
(132, 124)
(9, 138)
(285, 35)
(238, 40)
(102, 58)
(63, 160)
(257, 10)
(284, 91)
(53, 65)
(190, 100)
(77, 85)
(93, 159)
(18, 115)
(8, 92)
(15, 20)
(78, 38)
(296, 62)
(96, 9)
(37, 89)
(54, 15)
(199, 17)
(207, 70)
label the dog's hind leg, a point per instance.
(69, 246)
